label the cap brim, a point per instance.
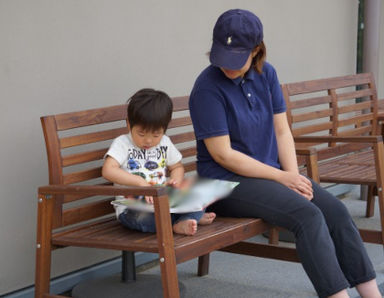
(224, 57)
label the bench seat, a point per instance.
(358, 168)
(108, 233)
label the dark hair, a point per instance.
(259, 59)
(149, 108)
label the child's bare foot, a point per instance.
(185, 227)
(207, 218)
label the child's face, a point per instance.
(146, 139)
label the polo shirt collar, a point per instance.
(250, 75)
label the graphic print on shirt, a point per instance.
(149, 164)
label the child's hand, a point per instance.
(149, 199)
(173, 182)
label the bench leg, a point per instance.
(379, 161)
(128, 266)
(166, 248)
(370, 202)
(203, 266)
(43, 245)
(273, 236)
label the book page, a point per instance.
(195, 197)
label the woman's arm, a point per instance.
(287, 156)
(239, 163)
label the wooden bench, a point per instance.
(75, 210)
(340, 117)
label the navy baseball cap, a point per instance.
(236, 33)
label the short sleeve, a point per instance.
(118, 150)
(208, 114)
(173, 155)
(278, 102)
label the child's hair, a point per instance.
(149, 108)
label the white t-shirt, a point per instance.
(151, 164)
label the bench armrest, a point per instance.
(306, 151)
(95, 190)
(327, 139)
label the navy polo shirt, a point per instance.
(242, 108)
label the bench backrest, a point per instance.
(339, 106)
(76, 144)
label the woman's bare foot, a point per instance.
(185, 227)
(207, 218)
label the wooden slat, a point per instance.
(188, 152)
(356, 120)
(263, 251)
(358, 131)
(86, 212)
(303, 103)
(311, 115)
(311, 128)
(71, 198)
(93, 137)
(190, 167)
(222, 232)
(339, 150)
(183, 137)
(355, 107)
(82, 176)
(354, 94)
(328, 83)
(83, 157)
(180, 103)
(91, 117)
(182, 121)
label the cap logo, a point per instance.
(229, 40)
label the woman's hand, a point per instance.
(298, 183)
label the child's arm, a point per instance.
(112, 172)
(176, 174)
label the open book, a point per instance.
(196, 197)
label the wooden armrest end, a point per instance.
(306, 151)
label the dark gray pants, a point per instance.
(327, 240)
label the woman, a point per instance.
(238, 113)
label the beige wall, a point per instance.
(66, 55)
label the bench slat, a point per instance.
(90, 117)
(71, 198)
(82, 176)
(88, 211)
(357, 119)
(355, 107)
(183, 137)
(358, 131)
(328, 83)
(312, 115)
(182, 121)
(311, 129)
(180, 103)
(303, 103)
(84, 157)
(355, 94)
(93, 137)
